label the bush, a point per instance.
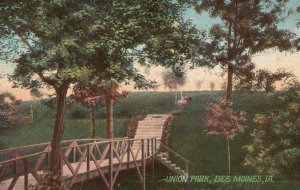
(275, 145)
(78, 113)
(9, 111)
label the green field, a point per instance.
(207, 154)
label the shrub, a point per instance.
(132, 126)
(78, 113)
(9, 111)
(275, 141)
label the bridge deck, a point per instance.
(82, 173)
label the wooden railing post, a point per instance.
(88, 158)
(144, 166)
(128, 153)
(74, 154)
(16, 167)
(153, 156)
(152, 147)
(26, 183)
(61, 164)
(155, 145)
(48, 156)
(148, 148)
(111, 177)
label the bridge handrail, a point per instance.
(185, 161)
(101, 141)
(22, 157)
(46, 143)
(41, 144)
(108, 141)
(23, 147)
(169, 149)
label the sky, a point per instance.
(270, 59)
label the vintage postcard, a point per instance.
(149, 94)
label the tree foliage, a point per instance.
(261, 79)
(172, 80)
(9, 111)
(93, 93)
(242, 29)
(275, 146)
(222, 120)
(298, 11)
(70, 41)
(297, 41)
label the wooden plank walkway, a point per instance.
(19, 185)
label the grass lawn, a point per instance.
(41, 131)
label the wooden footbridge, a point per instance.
(86, 159)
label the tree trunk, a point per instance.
(109, 117)
(176, 97)
(55, 158)
(92, 122)
(228, 154)
(229, 82)
(31, 112)
(229, 65)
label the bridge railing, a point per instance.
(78, 157)
(16, 161)
(177, 158)
(11, 153)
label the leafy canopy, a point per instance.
(94, 94)
(70, 41)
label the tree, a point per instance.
(198, 84)
(172, 81)
(9, 111)
(223, 85)
(93, 93)
(36, 93)
(274, 146)
(86, 98)
(212, 85)
(222, 120)
(69, 42)
(242, 29)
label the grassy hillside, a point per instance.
(41, 131)
(187, 126)
(188, 138)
